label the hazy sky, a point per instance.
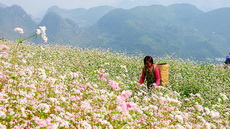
(35, 7)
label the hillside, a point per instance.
(164, 30)
(83, 17)
(179, 30)
(12, 17)
(2, 5)
(47, 86)
(63, 30)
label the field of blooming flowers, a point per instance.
(63, 87)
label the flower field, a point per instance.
(54, 87)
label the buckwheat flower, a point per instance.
(38, 31)
(197, 95)
(74, 75)
(54, 100)
(179, 126)
(179, 118)
(45, 107)
(224, 97)
(2, 115)
(201, 118)
(19, 30)
(4, 54)
(124, 108)
(85, 124)
(126, 94)
(199, 107)
(120, 99)
(43, 33)
(103, 75)
(42, 28)
(123, 66)
(23, 61)
(114, 85)
(4, 47)
(188, 125)
(131, 105)
(85, 106)
(214, 114)
(155, 108)
(207, 111)
(207, 125)
(2, 126)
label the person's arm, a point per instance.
(157, 74)
(142, 79)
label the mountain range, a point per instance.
(181, 30)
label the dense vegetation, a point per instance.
(64, 87)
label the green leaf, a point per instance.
(19, 40)
(114, 112)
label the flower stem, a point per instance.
(29, 37)
(16, 49)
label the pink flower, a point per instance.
(75, 75)
(103, 75)
(123, 96)
(120, 99)
(114, 85)
(4, 54)
(1, 75)
(124, 108)
(83, 86)
(126, 94)
(43, 123)
(131, 105)
(199, 107)
(4, 47)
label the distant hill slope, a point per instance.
(59, 30)
(163, 30)
(83, 17)
(2, 5)
(216, 21)
(181, 30)
(12, 17)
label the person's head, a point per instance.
(148, 61)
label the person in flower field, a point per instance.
(151, 73)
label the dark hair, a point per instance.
(148, 58)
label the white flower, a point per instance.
(201, 118)
(44, 38)
(38, 31)
(207, 111)
(207, 125)
(45, 107)
(42, 28)
(2, 126)
(179, 126)
(42, 31)
(214, 114)
(179, 118)
(224, 97)
(23, 61)
(85, 124)
(19, 30)
(2, 114)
